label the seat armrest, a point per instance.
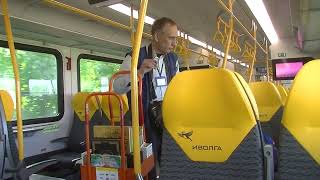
(268, 156)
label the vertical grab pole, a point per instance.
(254, 28)
(267, 60)
(230, 4)
(134, 89)
(6, 18)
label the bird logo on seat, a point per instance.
(186, 135)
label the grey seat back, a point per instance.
(299, 150)
(77, 133)
(76, 138)
(270, 106)
(11, 150)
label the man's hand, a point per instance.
(147, 65)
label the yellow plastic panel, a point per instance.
(249, 93)
(287, 90)
(115, 106)
(78, 104)
(268, 99)
(207, 113)
(7, 104)
(283, 94)
(301, 114)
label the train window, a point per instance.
(95, 72)
(40, 72)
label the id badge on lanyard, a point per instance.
(161, 81)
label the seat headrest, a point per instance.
(283, 94)
(115, 106)
(208, 113)
(8, 104)
(268, 99)
(78, 104)
(301, 114)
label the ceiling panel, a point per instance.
(43, 33)
(197, 19)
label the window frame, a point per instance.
(60, 85)
(93, 58)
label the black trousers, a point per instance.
(154, 129)
(154, 136)
(156, 147)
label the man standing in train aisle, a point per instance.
(157, 64)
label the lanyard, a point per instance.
(160, 71)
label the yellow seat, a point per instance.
(75, 144)
(115, 106)
(283, 94)
(268, 99)
(210, 128)
(270, 106)
(9, 152)
(300, 131)
(287, 90)
(78, 104)
(8, 104)
(6, 115)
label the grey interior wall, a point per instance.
(289, 47)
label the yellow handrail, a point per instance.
(229, 35)
(182, 50)
(254, 29)
(179, 47)
(212, 60)
(198, 53)
(218, 36)
(201, 59)
(241, 25)
(134, 86)
(7, 23)
(267, 60)
(248, 51)
(222, 37)
(93, 16)
(235, 42)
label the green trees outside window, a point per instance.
(95, 75)
(38, 78)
